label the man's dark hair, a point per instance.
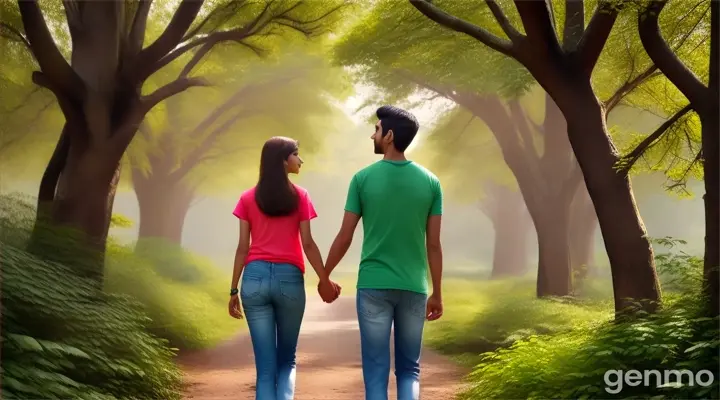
(403, 124)
(275, 195)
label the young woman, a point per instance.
(276, 214)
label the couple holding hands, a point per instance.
(400, 203)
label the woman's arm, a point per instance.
(311, 250)
(328, 290)
(241, 253)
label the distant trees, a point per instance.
(99, 73)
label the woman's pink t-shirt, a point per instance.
(275, 239)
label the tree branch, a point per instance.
(629, 86)
(502, 19)
(208, 42)
(462, 26)
(596, 35)
(714, 78)
(539, 24)
(197, 153)
(122, 136)
(627, 161)
(215, 11)
(169, 39)
(47, 54)
(136, 37)
(177, 86)
(665, 59)
(520, 120)
(15, 34)
(574, 24)
(236, 98)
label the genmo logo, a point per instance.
(615, 378)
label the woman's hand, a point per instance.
(234, 307)
(329, 291)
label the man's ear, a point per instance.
(389, 137)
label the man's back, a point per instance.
(394, 199)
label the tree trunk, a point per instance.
(41, 236)
(628, 248)
(84, 200)
(551, 218)
(583, 223)
(164, 204)
(506, 210)
(711, 165)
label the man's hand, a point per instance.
(329, 291)
(434, 308)
(234, 307)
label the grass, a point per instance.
(185, 295)
(481, 316)
(520, 347)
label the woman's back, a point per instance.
(275, 239)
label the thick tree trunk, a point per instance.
(164, 204)
(546, 182)
(84, 200)
(551, 219)
(583, 224)
(624, 234)
(711, 165)
(508, 214)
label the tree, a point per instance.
(705, 100)
(388, 45)
(287, 95)
(506, 210)
(468, 161)
(100, 90)
(564, 67)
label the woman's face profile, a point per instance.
(293, 163)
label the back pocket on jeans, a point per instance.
(250, 287)
(293, 290)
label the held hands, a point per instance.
(234, 307)
(329, 291)
(434, 308)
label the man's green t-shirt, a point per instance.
(394, 199)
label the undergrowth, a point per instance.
(63, 337)
(591, 358)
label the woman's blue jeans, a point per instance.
(273, 299)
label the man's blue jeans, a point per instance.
(378, 310)
(273, 299)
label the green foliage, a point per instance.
(482, 316)
(120, 221)
(185, 295)
(65, 338)
(293, 95)
(562, 349)
(398, 50)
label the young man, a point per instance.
(400, 203)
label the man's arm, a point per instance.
(434, 253)
(342, 241)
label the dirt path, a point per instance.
(328, 362)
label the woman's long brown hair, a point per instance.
(275, 194)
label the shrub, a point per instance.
(573, 364)
(64, 338)
(187, 306)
